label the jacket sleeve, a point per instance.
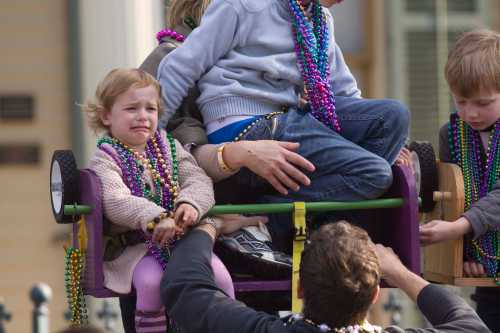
(180, 70)
(189, 291)
(342, 81)
(120, 206)
(483, 215)
(196, 188)
(446, 312)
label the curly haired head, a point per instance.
(115, 83)
(339, 275)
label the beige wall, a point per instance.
(33, 61)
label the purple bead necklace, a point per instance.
(480, 176)
(133, 166)
(311, 39)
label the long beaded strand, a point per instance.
(311, 39)
(479, 178)
(74, 293)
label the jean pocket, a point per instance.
(262, 130)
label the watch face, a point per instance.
(56, 187)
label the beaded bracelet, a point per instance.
(220, 159)
(150, 226)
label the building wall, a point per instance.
(33, 61)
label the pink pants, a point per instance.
(148, 274)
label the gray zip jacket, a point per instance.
(484, 215)
(242, 58)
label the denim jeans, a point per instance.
(354, 164)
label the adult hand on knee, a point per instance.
(275, 161)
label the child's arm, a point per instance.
(195, 187)
(180, 69)
(120, 206)
(342, 81)
(481, 217)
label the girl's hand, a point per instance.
(473, 269)
(438, 231)
(275, 161)
(185, 215)
(231, 222)
(165, 231)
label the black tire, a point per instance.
(64, 184)
(428, 173)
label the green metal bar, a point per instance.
(77, 210)
(310, 206)
(276, 208)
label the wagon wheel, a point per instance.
(426, 173)
(64, 184)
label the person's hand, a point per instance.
(438, 231)
(275, 161)
(231, 222)
(391, 266)
(474, 269)
(185, 215)
(165, 231)
(404, 158)
(397, 275)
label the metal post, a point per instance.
(393, 305)
(4, 315)
(107, 315)
(40, 294)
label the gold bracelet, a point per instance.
(220, 159)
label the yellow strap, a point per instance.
(299, 220)
(82, 235)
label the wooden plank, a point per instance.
(475, 282)
(445, 259)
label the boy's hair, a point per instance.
(474, 63)
(178, 10)
(339, 274)
(113, 85)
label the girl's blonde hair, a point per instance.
(474, 63)
(113, 85)
(178, 10)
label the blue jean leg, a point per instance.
(378, 125)
(344, 170)
(351, 166)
